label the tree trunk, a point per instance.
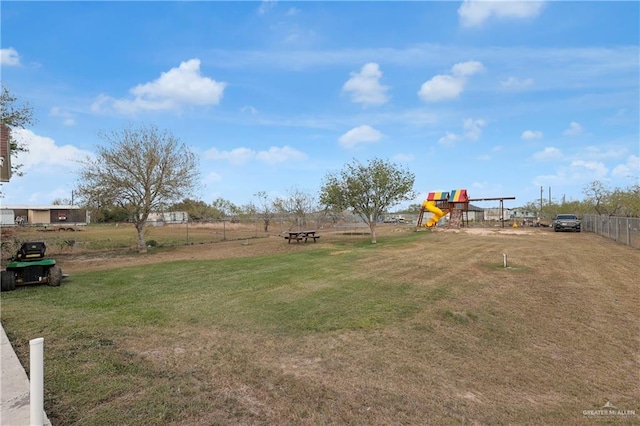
(372, 226)
(142, 244)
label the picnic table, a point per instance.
(301, 236)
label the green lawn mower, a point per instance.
(29, 266)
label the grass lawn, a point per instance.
(421, 328)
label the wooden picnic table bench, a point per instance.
(301, 236)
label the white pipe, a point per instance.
(504, 259)
(36, 389)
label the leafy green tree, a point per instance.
(225, 209)
(630, 200)
(613, 202)
(196, 209)
(626, 202)
(413, 208)
(140, 170)
(110, 214)
(15, 115)
(368, 189)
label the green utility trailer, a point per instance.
(29, 266)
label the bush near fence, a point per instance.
(625, 230)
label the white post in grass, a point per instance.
(504, 260)
(36, 380)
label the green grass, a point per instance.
(344, 332)
(85, 320)
(297, 293)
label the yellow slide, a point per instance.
(430, 206)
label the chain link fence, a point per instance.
(625, 230)
(77, 239)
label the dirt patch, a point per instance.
(501, 231)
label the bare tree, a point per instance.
(299, 204)
(15, 116)
(141, 170)
(368, 190)
(266, 210)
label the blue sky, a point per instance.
(500, 98)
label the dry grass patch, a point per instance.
(421, 328)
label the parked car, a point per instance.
(566, 222)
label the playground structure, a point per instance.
(454, 204)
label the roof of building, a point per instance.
(42, 207)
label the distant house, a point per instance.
(167, 217)
(44, 215)
(474, 214)
(496, 213)
(520, 213)
(526, 217)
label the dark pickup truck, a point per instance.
(566, 222)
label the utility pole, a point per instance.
(541, 192)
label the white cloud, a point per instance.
(440, 88)
(45, 153)
(550, 153)
(212, 177)
(472, 129)
(598, 153)
(575, 129)
(359, 135)
(444, 87)
(465, 69)
(630, 169)
(67, 118)
(248, 108)
(280, 155)
(177, 87)
(588, 169)
(514, 83)
(9, 57)
(474, 13)
(365, 85)
(235, 156)
(266, 5)
(531, 134)
(449, 139)
(243, 155)
(292, 11)
(403, 158)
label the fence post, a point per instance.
(36, 380)
(628, 232)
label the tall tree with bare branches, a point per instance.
(141, 170)
(15, 115)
